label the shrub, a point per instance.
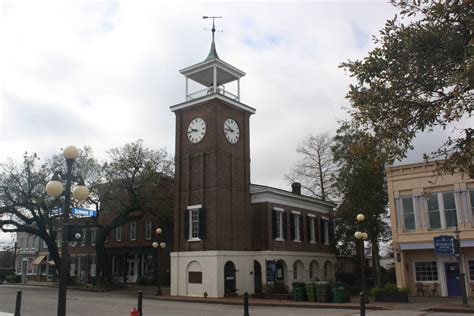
(389, 288)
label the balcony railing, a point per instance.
(209, 91)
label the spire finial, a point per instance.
(213, 52)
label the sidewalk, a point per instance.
(417, 303)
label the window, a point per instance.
(22, 243)
(118, 233)
(148, 229)
(296, 226)
(28, 239)
(471, 196)
(433, 211)
(408, 213)
(84, 237)
(312, 229)
(313, 270)
(44, 244)
(278, 224)
(133, 231)
(450, 209)
(30, 266)
(93, 237)
(295, 271)
(426, 271)
(194, 223)
(470, 263)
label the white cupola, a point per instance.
(213, 73)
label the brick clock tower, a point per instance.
(212, 202)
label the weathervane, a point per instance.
(213, 30)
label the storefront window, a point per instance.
(471, 270)
(426, 271)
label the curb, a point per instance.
(267, 304)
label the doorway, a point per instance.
(229, 277)
(257, 276)
(452, 278)
(132, 269)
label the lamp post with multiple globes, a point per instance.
(80, 192)
(361, 237)
(158, 245)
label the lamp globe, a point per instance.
(54, 188)
(71, 152)
(80, 192)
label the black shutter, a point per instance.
(292, 226)
(186, 224)
(331, 232)
(308, 228)
(274, 227)
(323, 235)
(317, 234)
(300, 237)
(202, 223)
(284, 224)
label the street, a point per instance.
(39, 300)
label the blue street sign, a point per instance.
(56, 211)
(444, 245)
(83, 212)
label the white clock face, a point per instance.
(196, 130)
(231, 131)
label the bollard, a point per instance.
(18, 303)
(362, 304)
(246, 304)
(140, 301)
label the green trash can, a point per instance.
(311, 292)
(339, 293)
(322, 293)
(299, 291)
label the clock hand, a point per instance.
(229, 129)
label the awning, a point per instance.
(39, 259)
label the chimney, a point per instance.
(296, 188)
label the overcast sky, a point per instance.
(105, 73)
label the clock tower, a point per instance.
(212, 156)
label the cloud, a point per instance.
(106, 73)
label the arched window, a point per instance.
(297, 270)
(313, 269)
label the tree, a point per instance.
(316, 169)
(24, 204)
(361, 182)
(420, 76)
(137, 181)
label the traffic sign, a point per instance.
(56, 211)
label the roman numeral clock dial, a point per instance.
(231, 131)
(196, 130)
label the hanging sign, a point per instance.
(444, 245)
(271, 269)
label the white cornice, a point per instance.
(198, 101)
(208, 64)
(261, 194)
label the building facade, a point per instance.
(425, 205)
(228, 233)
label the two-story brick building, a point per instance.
(424, 205)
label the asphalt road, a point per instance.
(38, 301)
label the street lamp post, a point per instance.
(157, 245)
(360, 237)
(80, 192)
(462, 275)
